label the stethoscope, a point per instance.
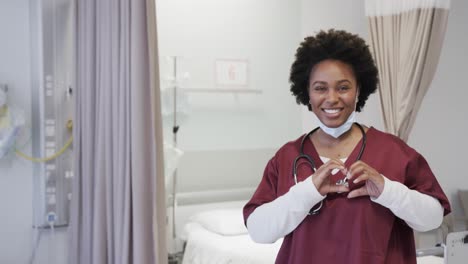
(315, 210)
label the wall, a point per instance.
(265, 33)
(16, 232)
(15, 174)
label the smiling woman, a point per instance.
(356, 193)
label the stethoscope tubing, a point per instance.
(302, 155)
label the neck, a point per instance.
(329, 140)
(340, 147)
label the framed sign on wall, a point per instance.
(231, 73)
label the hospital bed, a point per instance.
(219, 236)
(214, 180)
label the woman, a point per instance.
(353, 194)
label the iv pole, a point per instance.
(175, 129)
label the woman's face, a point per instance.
(332, 92)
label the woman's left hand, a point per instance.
(374, 181)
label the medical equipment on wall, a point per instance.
(11, 123)
(52, 78)
(316, 209)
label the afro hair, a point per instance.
(334, 45)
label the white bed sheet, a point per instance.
(205, 247)
(430, 260)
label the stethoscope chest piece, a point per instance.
(342, 182)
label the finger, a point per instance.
(343, 170)
(361, 169)
(358, 192)
(356, 169)
(325, 170)
(338, 164)
(365, 173)
(353, 175)
(357, 163)
(362, 177)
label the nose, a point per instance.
(332, 96)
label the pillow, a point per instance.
(226, 222)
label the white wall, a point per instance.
(265, 33)
(439, 133)
(15, 175)
(16, 232)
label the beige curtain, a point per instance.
(406, 38)
(118, 212)
(159, 217)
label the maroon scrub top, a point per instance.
(352, 231)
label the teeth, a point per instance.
(331, 111)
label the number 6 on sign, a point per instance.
(231, 73)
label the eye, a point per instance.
(343, 88)
(320, 88)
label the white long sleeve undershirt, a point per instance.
(276, 219)
(420, 211)
(273, 220)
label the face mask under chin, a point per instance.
(336, 132)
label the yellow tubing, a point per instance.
(33, 159)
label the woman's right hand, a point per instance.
(321, 178)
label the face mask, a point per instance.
(336, 132)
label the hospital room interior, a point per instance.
(198, 144)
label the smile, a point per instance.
(332, 110)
